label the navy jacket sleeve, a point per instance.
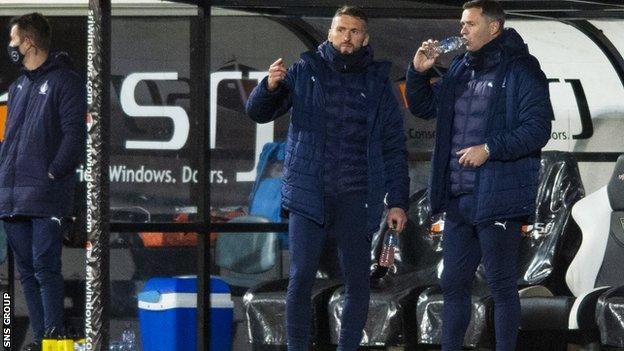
(534, 115)
(421, 95)
(394, 151)
(265, 106)
(72, 109)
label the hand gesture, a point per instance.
(277, 73)
(425, 56)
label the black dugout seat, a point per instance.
(610, 213)
(546, 251)
(595, 267)
(610, 317)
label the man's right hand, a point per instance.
(425, 56)
(277, 73)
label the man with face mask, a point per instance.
(44, 142)
(345, 152)
(493, 117)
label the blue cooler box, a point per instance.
(168, 314)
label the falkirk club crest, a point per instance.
(43, 90)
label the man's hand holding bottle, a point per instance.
(426, 56)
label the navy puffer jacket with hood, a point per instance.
(44, 140)
(518, 125)
(304, 93)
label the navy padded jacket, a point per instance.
(45, 133)
(303, 93)
(518, 125)
(473, 91)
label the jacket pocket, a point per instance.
(31, 170)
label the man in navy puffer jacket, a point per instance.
(493, 117)
(44, 142)
(345, 152)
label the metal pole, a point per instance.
(96, 175)
(203, 247)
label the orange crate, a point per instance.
(158, 239)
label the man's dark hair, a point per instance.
(34, 26)
(352, 11)
(489, 8)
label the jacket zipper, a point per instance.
(501, 77)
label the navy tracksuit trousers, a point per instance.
(37, 244)
(465, 245)
(345, 220)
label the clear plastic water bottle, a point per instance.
(391, 240)
(449, 44)
(128, 339)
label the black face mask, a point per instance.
(15, 56)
